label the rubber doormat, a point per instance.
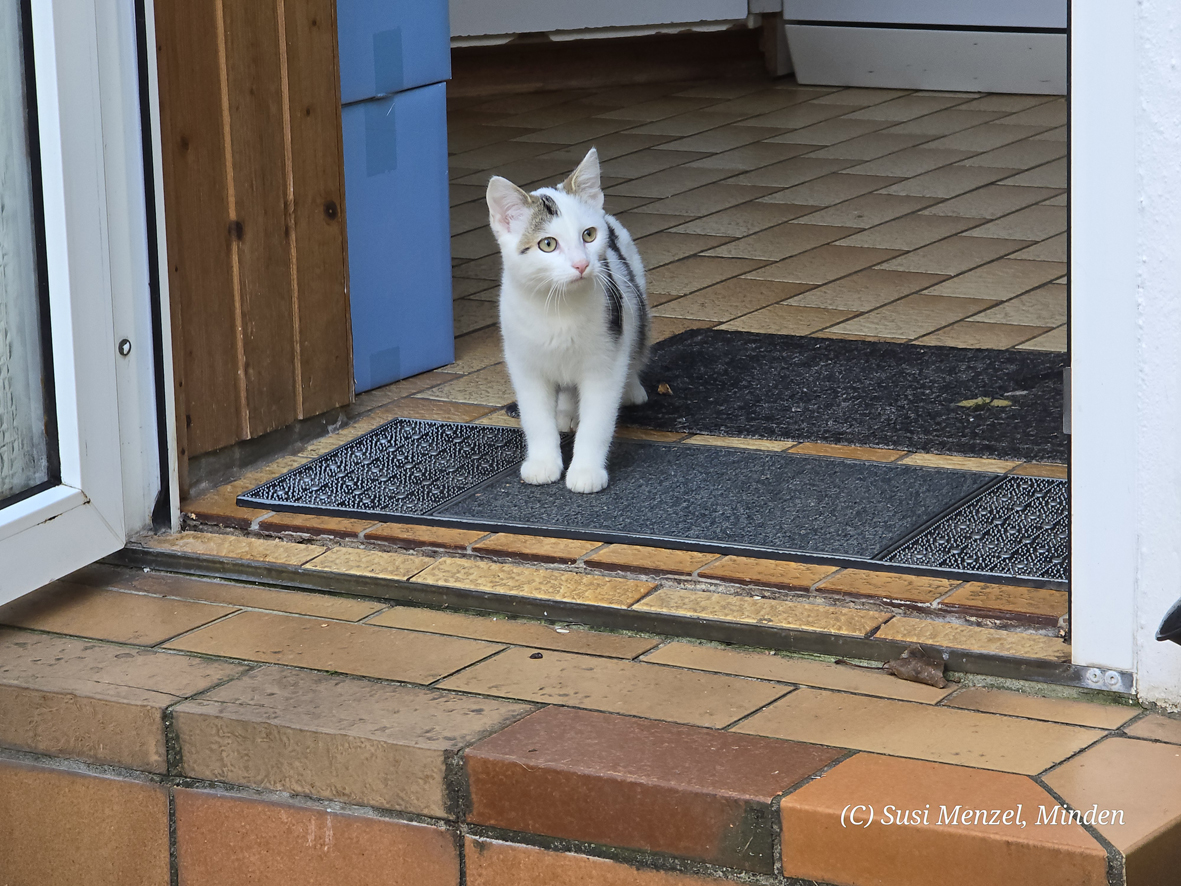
(739, 501)
(859, 393)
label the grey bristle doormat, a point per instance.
(673, 495)
(859, 393)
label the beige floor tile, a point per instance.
(220, 507)
(1056, 472)
(787, 320)
(989, 598)
(645, 559)
(499, 419)
(476, 350)
(472, 314)
(948, 181)
(1051, 113)
(314, 526)
(535, 547)
(487, 387)
(782, 241)
(65, 608)
(830, 132)
(621, 687)
(777, 613)
(668, 182)
(1157, 728)
(691, 274)
(416, 384)
(886, 585)
(730, 299)
(460, 194)
(709, 199)
(1142, 781)
(919, 731)
(739, 442)
(960, 463)
(1024, 154)
(364, 650)
(432, 410)
(909, 163)
(575, 131)
(716, 141)
(1062, 199)
(739, 221)
(984, 137)
(789, 173)
(782, 574)
(913, 316)
(910, 232)
(865, 290)
(1053, 249)
(990, 202)
(487, 268)
(868, 147)
(1031, 223)
(468, 217)
(796, 116)
(800, 671)
(689, 123)
(858, 453)
(379, 564)
(749, 156)
(1008, 103)
(1045, 307)
(616, 204)
(826, 263)
(908, 107)
(1057, 134)
(412, 535)
(657, 108)
(1035, 707)
(828, 190)
(866, 211)
(859, 98)
(525, 581)
(944, 123)
(641, 224)
(667, 327)
(609, 147)
(498, 629)
(651, 436)
(914, 630)
(953, 255)
(262, 550)
(667, 246)
(1051, 175)
(970, 334)
(1000, 280)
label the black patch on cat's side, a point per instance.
(614, 303)
(614, 293)
(548, 204)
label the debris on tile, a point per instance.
(913, 665)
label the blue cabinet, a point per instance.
(394, 55)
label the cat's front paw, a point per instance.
(538, 471)
(586, 479)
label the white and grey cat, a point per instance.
(574, 318)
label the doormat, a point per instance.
(730, 501)
(859, 393)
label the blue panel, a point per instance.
(387, 46)
(395, 174)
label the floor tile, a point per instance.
(690, 274)
(821, 846)
(788, 173)
(919, 731)
(954, 120)
(800, 671)
(622, 781)
(640, 224)
(668, 182)
(828, 190)
(411, 535)
(379, 564)
(415, 384)
(787, 320)
(910, 232)
(739, 221)
(1046, 306)
(1141, 780)
(748, 610)
(960, 463)
(749, 156)
(860, 98)
(953, 255)
(909, 163)
(1032, 469)
(470, 315)
(953, 636)
(868, 147)
(476, 350)
(623, 433)
(498, 629)
(767, 573)
(609, 146)
(913, 316)
(782, 241)
(1057, 134)
(666, 327)
(1158, 728)
(865, 290)
(866, 211)
(1019, 155)
(826, 263)
(970, 334)
(575, 131)
(490, 863)
(830, 132)
(860, 453)
(887, 585)
(1007, 103)
(337, 737)
(314, 525)
(432, 410)
(621, 687)
(645, 559)
(947, 181)
(657, 108)
(534, 547)
(488, 387)
(907, 107)
(1031, 223)
(667, 246)
(983, 137)
(727, 300)
(474, 244)
(796, 116)
(990, 202)
(711, 198)
(364, 650)
(739, 442)
(1051, 113)
(1051, 175)
(1053, 250)
(220, 506)
(64, 608)
(525, 581)
(1000, 280)
(689, 123)
(1034, 707)
(715, 141)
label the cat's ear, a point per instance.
(584, 181)
(508, 205)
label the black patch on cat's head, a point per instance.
(548, 205)
(526, 249)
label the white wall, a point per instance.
(482, 17)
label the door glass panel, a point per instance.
(28, 450)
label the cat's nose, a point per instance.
(581, 265)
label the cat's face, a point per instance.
(554, 236)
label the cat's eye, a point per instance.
(547, 244)
(589, 235)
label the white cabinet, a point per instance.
(477, 18)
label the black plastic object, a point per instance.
(1170, 628)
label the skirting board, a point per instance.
(914, 58)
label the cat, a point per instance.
(574, 320)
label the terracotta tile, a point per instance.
(1142, 780)
(498, 629)
(64, 608)
(690, 274)
(1045, 307)
(953, 636)
(668, 182)
(1034, 707)
(888, 585)
(94, 702)
(913, 316)
(368, 651)
(910, 163)
(995, 599)
(992, 201)
(1024, 154)
(667, 246)
(1051, 175)
(489, 863)
(488, 387)
(859, 453)
(953, 255)
(1057, 472)
(621, 687)
(826, 263)
(817, 845)
(869, 146)
(748, 610)
(1053, 249)
(525, 581)
(739, 221)
(621, 781)
(787, 320)
(1000, 280)
(73, 829)
(313, 525)
(411, 535)
(749, 156)
(336, 737)
(947, 181)
(801, 671)
(259, 550)
(535, 547)
(767, 573)
(1157, 727)
(960, 463)
(380, 564)
(920, 731)
(222, 839)
(644, 559)
(666, 327)
(865, 290)
(782, 241)
(739, 442)
(828, 190)
(788, 173)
